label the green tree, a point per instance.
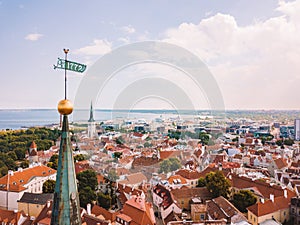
(12, 155)
(24, 164)
(53, 162)
(49, 186)
(204, 138)
(104, 200)
(79, 157)
(201, 182)
(20, 153)
(164, 166)
(279, 142)
(169, 165)
(243, 199)
(288, 142)
(120, 140)
(147, 144)
(175, 164)
(217, 184)
(117, 155)
(86, 195)
(87, 178)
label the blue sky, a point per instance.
(251, 46)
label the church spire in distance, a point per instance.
(66, 207)
(91, 119)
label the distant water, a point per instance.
(16, 119)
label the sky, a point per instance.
(251, 47)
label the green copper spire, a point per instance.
(66, 208)
(91, 119)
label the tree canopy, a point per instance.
(243, 199)
(217, 184)
(169, 165)
(87, 178)
(49, 186)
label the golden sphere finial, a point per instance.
(65, 107)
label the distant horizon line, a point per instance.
(133, 110)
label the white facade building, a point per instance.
(14, 184)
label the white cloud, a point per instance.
(255, 65)
(128, 29)
(33, 36)
(98, 47)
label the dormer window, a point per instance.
(14, 183)
(21, 181)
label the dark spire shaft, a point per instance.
(66, 208)
(91, 119)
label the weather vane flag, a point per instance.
(68, 65)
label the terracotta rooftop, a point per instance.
(98, 210)
(134, 179)
(140, 211)
(280, 163)
(261, 209)
(18, 179)
(188, 174)
(221, 208)
(11, 217)
(263, 187)
(201, 192)
(177, 179)
(33, 145)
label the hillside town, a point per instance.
(168, 171)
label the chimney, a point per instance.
(88, 208)
(262, 200)
(10, 172)
(272, 197)
(285, 194)
(48, 204)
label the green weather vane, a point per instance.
(68, 65)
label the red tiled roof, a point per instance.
(264, 188)
(188, 174)
(20, 178)
(33, 145)
(220, 208)
(168, 154)
(280, 203)
(139, 211)
(98, 210)
(10, 217)
(176, 178)
(280, 163)
(201, 192)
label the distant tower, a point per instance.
(92, 124)
(33, 154)
(66, 208)
(297, 129)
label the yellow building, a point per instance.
(32, 204)
(274, 208)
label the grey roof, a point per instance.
(33, 198)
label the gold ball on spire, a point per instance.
(65, 107)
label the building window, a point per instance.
(254, 219)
